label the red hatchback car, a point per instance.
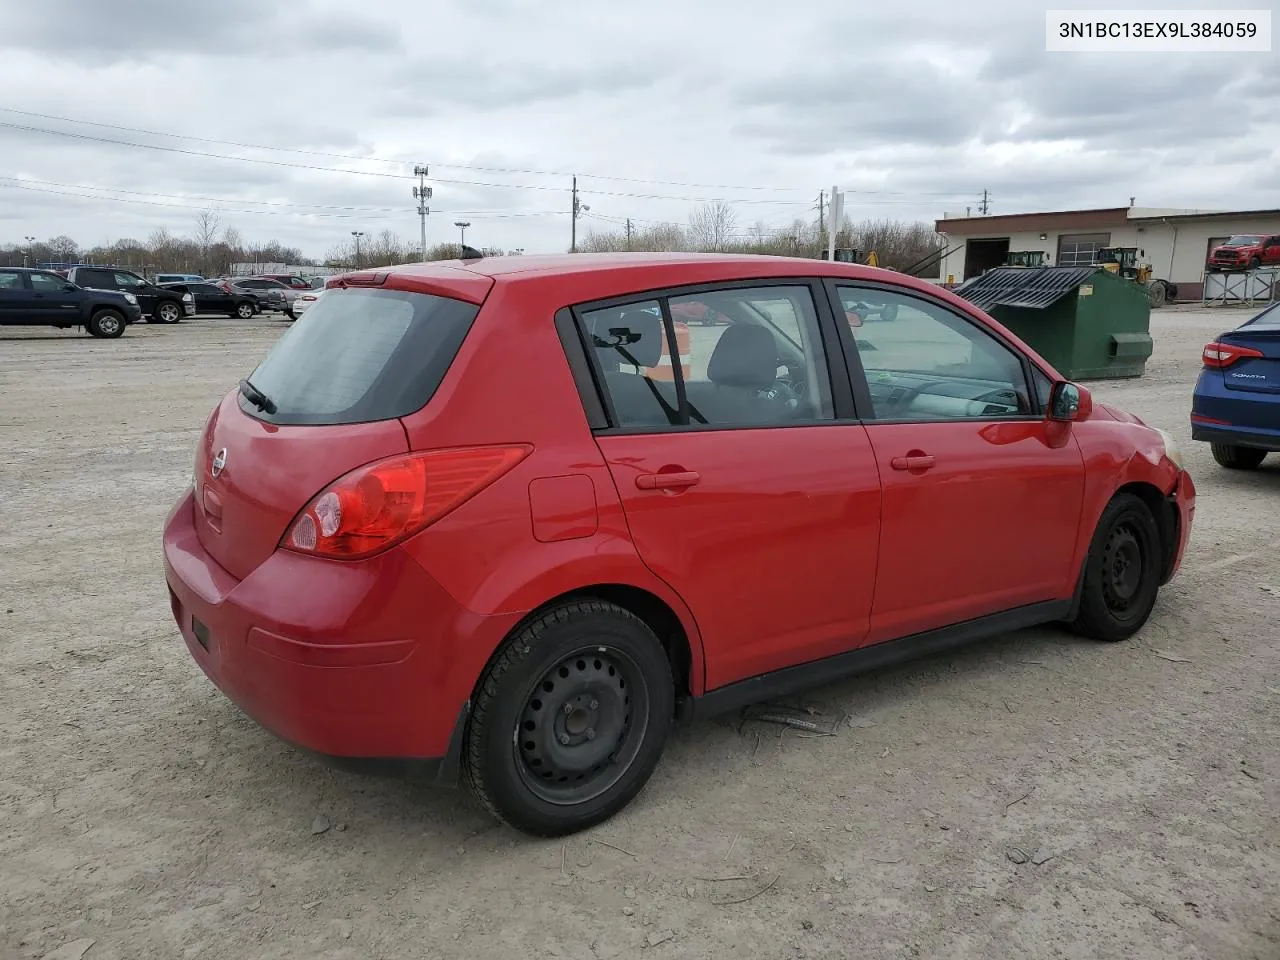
(468, 515)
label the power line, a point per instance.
(405, 176)
(385, 176)
(482, 214)
(344, 156)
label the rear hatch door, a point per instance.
(339, 380)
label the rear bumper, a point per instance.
(370, 663)
(1237, 436)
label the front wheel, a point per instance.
(569, 719)
(245, 311)
(168, 312)
(1254, 263)
(106, 324)
(1122, 571)
(1237, 458)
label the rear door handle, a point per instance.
(667, 481)
(914, 462)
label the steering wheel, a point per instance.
(782, 390)
(1002, 398)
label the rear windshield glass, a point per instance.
(359, 355)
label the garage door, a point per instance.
(1078, 249)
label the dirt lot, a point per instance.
(141, 811)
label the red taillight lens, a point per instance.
(1218, 355)
(380, 504)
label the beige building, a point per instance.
(1175, 242)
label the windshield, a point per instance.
(1243, 241)
(361, 355)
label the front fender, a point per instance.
(1117, 454)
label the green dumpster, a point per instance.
(1086, 321)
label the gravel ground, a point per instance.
(141, 815)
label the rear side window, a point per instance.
(10, 281)
(361, 355)
(102, 279)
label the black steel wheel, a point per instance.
(569, 719)
(1122, 572)
(581, 725)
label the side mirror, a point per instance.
(1070, 402)
(69, 287)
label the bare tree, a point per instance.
(208, 225)
(64, 249)
(711, 226)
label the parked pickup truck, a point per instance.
(158, 304)
(1245, 252)
(42, 298)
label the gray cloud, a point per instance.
(922, 106)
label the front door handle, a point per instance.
(667, 481)
(913, 461)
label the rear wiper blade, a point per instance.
(257, 397)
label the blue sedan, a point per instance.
(1236, 405)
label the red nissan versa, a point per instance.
(469, 515)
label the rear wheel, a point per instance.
(106, 324)
(245, 311)
(1122, 572)
(569, 719)
(1237, 458)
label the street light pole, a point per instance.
(462, 226)
(357, 234)
(29, 251)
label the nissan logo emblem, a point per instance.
(219, 462)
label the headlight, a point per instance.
(131, 298)
(1171, 449)
(188, 298)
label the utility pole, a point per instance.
(422, 193)
(837, 212)
(357, 234)
(822, 208)
(628, 233)
(462, 225)
(576, 210)
(986, 198)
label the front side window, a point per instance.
(128, 281)
(743, 356)
(10, 280)
(924, 362)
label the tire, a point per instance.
(1237, 458)
(594, 671)
(1122, 572)
(1254, 263)
(1157, 293)
(106, 324)
(168, 311)
(245, 311)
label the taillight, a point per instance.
(1218, 355)
(376, 506)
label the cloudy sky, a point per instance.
(302, 121)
